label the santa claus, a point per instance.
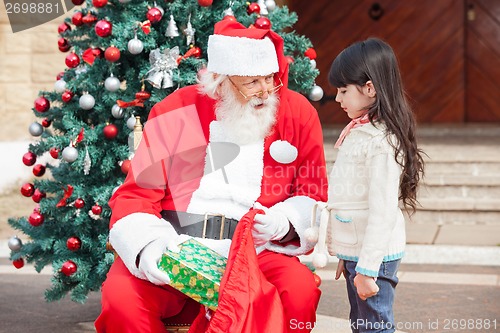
(239, 147)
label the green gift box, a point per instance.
(196, 271)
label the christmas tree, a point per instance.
(123, 57)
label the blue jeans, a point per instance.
(375, 314)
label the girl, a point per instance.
(378, 165)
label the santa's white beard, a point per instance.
(243, 123)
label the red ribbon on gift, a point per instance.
(67, 193)
(146, 26)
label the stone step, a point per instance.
(457, 180)
(458, 191)
(455, 217)
(463, 168)
(460, 204)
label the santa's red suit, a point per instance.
(285, 172)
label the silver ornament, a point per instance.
(60, 86)
(131, 122)
(313, 63)
(70, 154)
(271, 5)
(189, 32)
(263, 8)
(228, 12)
(86, 101)
(162, 64)
(172, 30)
(87, 162)
(15, 244)
(316, 93)
(112, 84)
(117, 111)
(36, 129)
(135, 46)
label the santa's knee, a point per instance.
(301, 294)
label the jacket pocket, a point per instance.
(343, 229)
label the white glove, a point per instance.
(271, 226)
(151, 255)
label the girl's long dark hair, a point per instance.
(374, 60)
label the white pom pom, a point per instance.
(283, 152)
(320, 260)
(312, 234)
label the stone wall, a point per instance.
(29, 62)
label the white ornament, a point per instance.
(86, 101)
(87, 162)
(60, 86)
(117, 111)
(172, 30)
(70, 154)
(316, 93)
(135, 46)
(313, 63)
(36, 129)
(112, 83)
(15, 244)
(189, 32)
(283, 152)
(263, 8)
(228, 12)
(131, 122)
(271, 5)
(162, 64)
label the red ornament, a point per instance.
(76, 19)
(67, 96)
(77, 2)
(63, 27)
(38, 196)
(60, 76)
(28, 189)
(205, 3)
(125, 166)
(317, 280)
(68, 268)
(63, 44)
(74, 243)
(54, 152)
(18, 263)
(112, 54)
(253, 8)
(290, 59)
(89, 19)
(310, 53)
(263, 23)
(96, 209)
(142, 95)
(79, 203)
(72, 60)
(110, 131)
(154, 15)
(90, 54)
(39, 170)
(46, 123)
(29, 158)
(99, 3)
(42, 104)
(103, 28)
(36, 219)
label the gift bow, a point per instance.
(160, 75)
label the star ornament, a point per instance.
(189, 32)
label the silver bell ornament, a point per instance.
(131, 122)
(60, 86)
(270, 4)
(86, 101)
(316, 93)
(135, 46)
(15, 244)
(70, 154)
(36, 129)
(117, 111)
(112, 84)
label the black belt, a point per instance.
(213, 226)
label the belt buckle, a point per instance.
(205, 221)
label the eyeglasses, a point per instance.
(258, 94)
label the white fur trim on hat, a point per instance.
(241, 56)
(283, 152)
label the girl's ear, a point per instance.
(370, 89)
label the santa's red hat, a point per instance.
(236, 50)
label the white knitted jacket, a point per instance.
(366, 223)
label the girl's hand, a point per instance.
(340, 269)
(365, 286)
